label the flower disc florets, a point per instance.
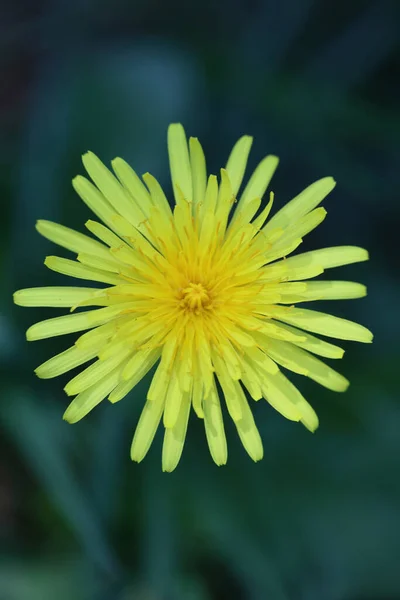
(195, 298)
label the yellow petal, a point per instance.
(214, 428)
(147, 427)
(302, 204)
(297, 230)
(125, 386)
(132, 184)
(174, 437)
(327, 290)
(300, 361)
(248, 431)
(237, 162)
(99, 369)
(278, 398)
(198, 169)
(258, 183)
(307, 414)
(328, 258)
(312, 344)
(318, 322)
(118, 198)
(260, 220)
(65, 361)
(173, 399)
(99, 336)
(70, 239)
(87, 400)
(231, 389)
(179, 162)
(158, 197)
(79, 271)
(210, 198)
(53, 296)
(72, 323)
(104, 233)
(94, 199)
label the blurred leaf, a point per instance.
(234, 544)
(159, 542)
(110, 450)
(42, 580)
(35, 431)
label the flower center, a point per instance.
(195, 297)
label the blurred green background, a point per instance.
(316, 82)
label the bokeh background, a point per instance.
(316, 82)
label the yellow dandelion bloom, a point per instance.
(203, 291)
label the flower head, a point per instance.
(204, 292)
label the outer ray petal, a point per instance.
(198, 169)
(132, 184)
(147, 427)
(214, 428)
(53, 296)
(307, 414)
(230, 389)
(326, 290)
(278, 398)
(297, 231)
(112, 190)
(302, 204)
(80, 271)
(313, 344)
(87, 378)
(179, 162)
(317, 322)
(237, 162)
(174, 437)
(72, 323)
(300, 361)
(328, 258)
(126, 385)
(104, 234)
(70, 239)
(258, 182)
(247, 430)
(65, 361)
(174, 398)
(94, 199)
(87, 400)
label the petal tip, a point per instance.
(17, 298)
(169, 466)
(258, 455)
(30, 334)
(330, 181)
(40, 224)
(136, 456)
(272, 158)
(364, 255)
(311, 428)
(68, 416)
(69, 390)
(343, 386)
(40, 372)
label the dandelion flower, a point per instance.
(204, 291)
